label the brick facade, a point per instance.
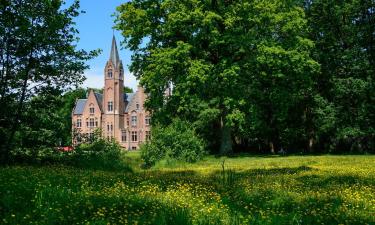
(117, 115)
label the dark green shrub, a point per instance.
(177, 141)
(100, 153)
(97, 154)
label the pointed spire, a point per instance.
(114, 57)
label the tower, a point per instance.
(113, 97)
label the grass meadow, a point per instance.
(239, 190)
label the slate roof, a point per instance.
(99, 99)
(114, 57)
(80, 106)
(128, 97)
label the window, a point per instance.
(110, 73)
(137, 106)
(134, 120)
(87, 123)
(147, 120)
(96, 123)
(79, 138)
(148, 135)
(110, 106)
(79, 123)
(109, 127)
(134, 148)
(134, 136)
(92, 110)
(123, 136)
(91, 136)
(92, 122)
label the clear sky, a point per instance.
(95, 27)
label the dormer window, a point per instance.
(110, 75)
(92, 110)
(134, 121)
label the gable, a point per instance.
(92, 102)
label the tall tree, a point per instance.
(37, 55)
(232, 64)
(345, 47)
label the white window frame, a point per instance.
(79, 123)
(110, 106)
(134, 121)
(123, 136)
(91, 122)
(134, 136)
(147, 120)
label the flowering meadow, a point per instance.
(238, 190)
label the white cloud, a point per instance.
(130, 81)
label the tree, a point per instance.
(235, 66)
(128, 89)
(345, 47)
(37, 55)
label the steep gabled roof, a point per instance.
(99, 99)
(128, 97)
(80, 106)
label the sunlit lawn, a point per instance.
(250, 190)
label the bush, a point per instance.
(100, 154)
(176, 141)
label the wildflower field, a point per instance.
(238, 190)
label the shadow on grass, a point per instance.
(265, 196)
(327, 181)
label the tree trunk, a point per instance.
(272, 147)
(311, 145)
(226, 139)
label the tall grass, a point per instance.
(242, 190)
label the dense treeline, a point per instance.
(259, 75)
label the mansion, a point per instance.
(118, 115)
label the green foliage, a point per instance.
(99, 154)
(251, 190)
(128, 89)
(175, 141)
(343, 32)
(249, 62)
(38, 56)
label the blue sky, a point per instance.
(95, 27)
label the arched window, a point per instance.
(92, 110)
(110, 73)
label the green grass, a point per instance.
(242, 190)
